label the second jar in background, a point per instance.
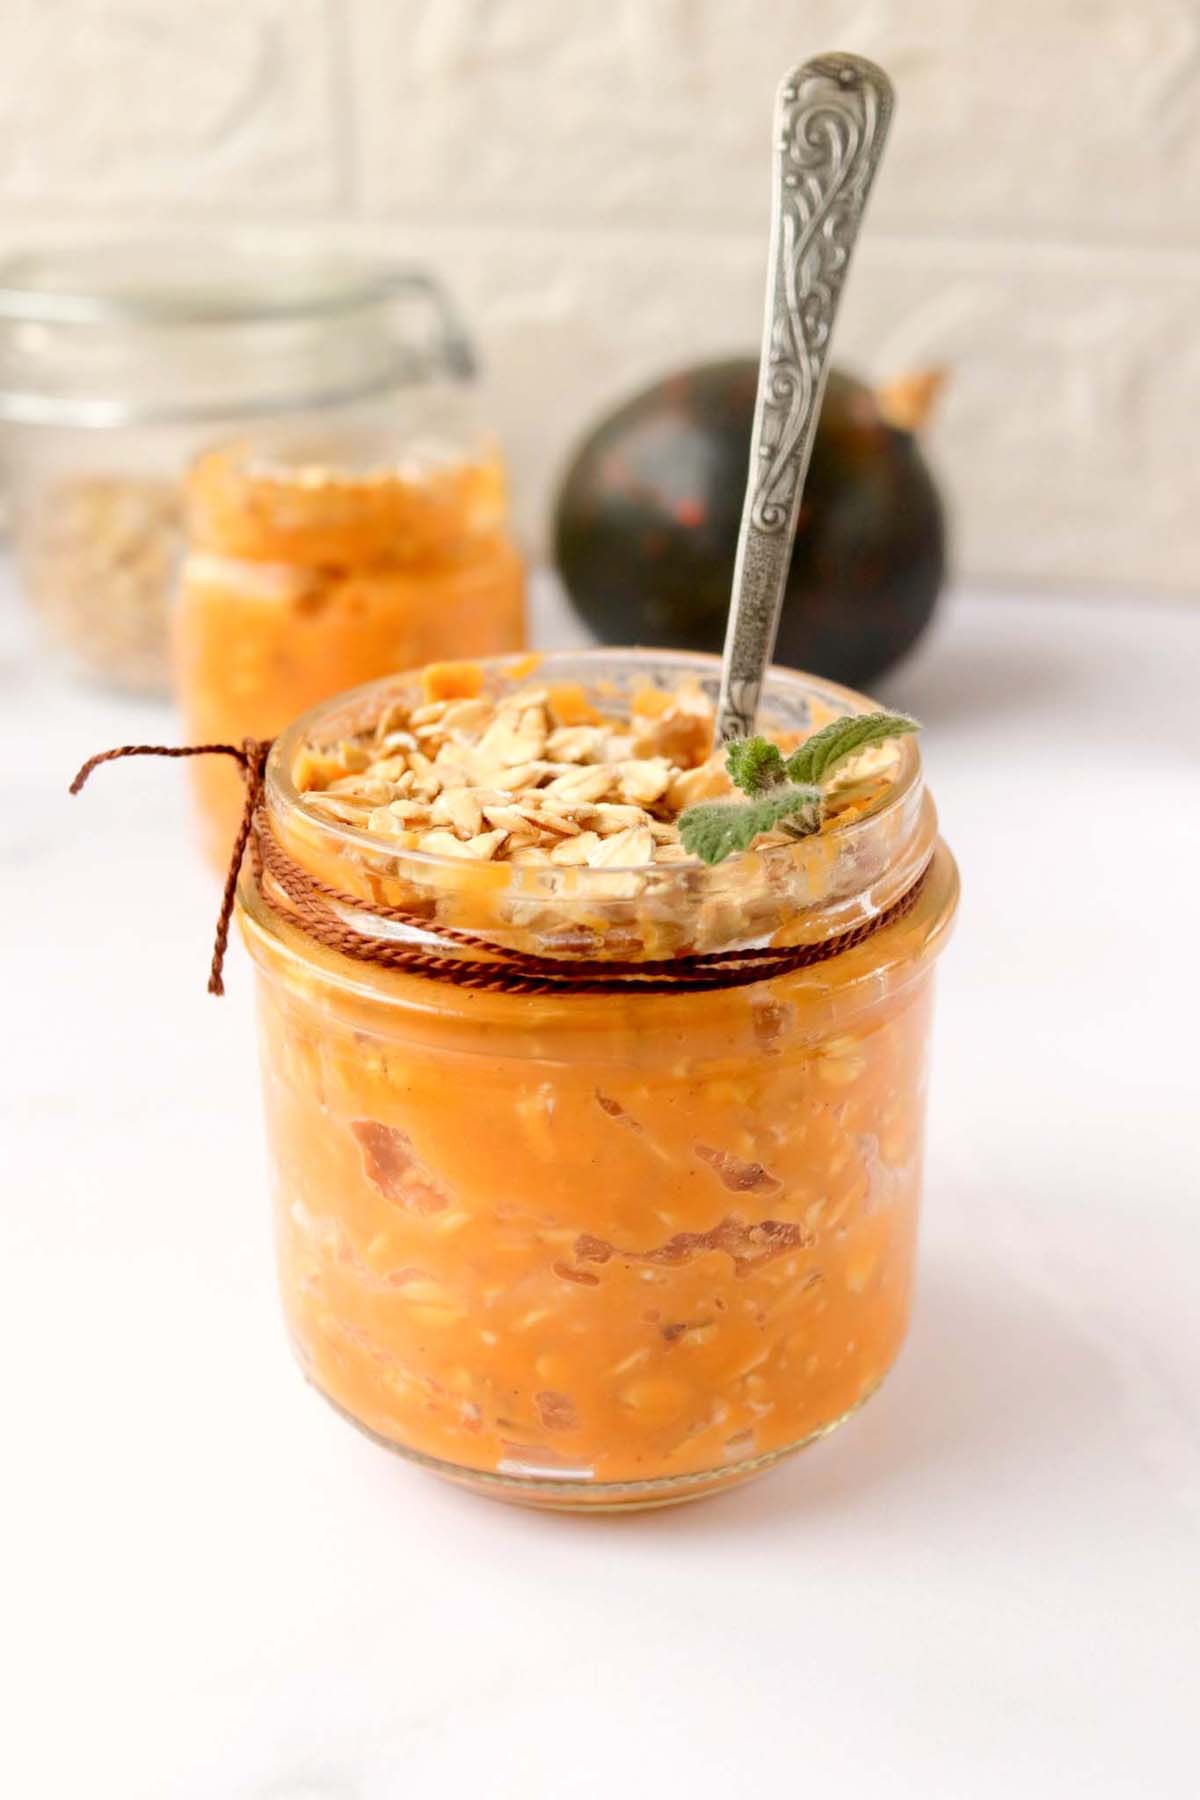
(318, 561)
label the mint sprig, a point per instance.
(782, 792)
(754, 765)
(820, 754)
(720, 827)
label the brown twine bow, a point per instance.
(311, 904)
(251, 758)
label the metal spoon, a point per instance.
(831, 121)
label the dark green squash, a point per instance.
(647, 517)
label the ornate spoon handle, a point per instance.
(831, 120)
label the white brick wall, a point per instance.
(591, 177)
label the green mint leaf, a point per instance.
(754, 765)
(722, 827)
(815, 759)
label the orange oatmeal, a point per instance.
(594, 1249)
(303, 579)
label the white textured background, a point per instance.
(592, 179)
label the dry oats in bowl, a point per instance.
(633, 1232)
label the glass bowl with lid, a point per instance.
(119, 363)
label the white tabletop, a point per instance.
(987, 1585)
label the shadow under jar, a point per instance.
(601, 1250)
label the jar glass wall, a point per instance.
(603, 1250)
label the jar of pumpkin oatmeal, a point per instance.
(589, 1243)
(320, 557)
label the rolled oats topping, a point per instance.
(537, 776)
(554, 811)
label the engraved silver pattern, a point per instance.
(831, 120)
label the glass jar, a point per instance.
(118, 363)
(601, 1249)
(322, 557)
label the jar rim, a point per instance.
(241, 333)
(84, 285)
(878, 853)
